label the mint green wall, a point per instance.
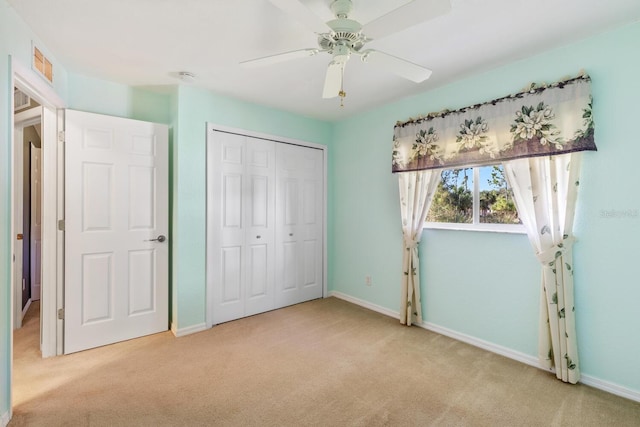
(486, 285)
(15, 45)
(5, 216)
(114, 99)
(82, 93)
(195, 108)
(481, 284)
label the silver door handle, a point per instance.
(160, 239)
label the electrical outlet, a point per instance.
(367, 280)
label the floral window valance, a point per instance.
(541, 121)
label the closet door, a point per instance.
(241, 210)
(259, 214)
(299, 224)
(226, 226)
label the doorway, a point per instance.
(27, 165)
(30, 84)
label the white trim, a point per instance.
(365, 304)
(16, 224)
(213, 127)
(50, 255)
(28, 117)
(188, 330)
(30, 83)
(4, 419)
(610, 387)
(485, 345)
(34, 85)
(61, 254)
(260, 135)
(488, 228)
(26, 307)
(588, 380)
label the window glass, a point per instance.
(475, 198)
(453, 201)
(496, 198)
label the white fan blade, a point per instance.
(401, 67)
(302, 14)
(333, 80)
(280, 57)
(406, 16)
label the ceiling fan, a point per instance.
(343, 37)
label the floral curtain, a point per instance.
(416, 193)
(537, 135)
(541, 121)
(545, 191)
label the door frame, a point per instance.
(22, 120)
(210, 126)
(24, 78)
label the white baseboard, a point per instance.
(607, 386)
(365, 304)
(4, 419)
(485, 345)
(26, 307)
(188, 330)
(610, 387)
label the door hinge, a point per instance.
(61, 136)
(61, 313)
(61, 224)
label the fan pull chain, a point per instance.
(342, 94)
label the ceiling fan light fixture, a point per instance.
(347, 36)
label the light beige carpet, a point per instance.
(321, 363)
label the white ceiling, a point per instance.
(146, 42)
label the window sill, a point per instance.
(490, 228)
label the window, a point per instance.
(474, 199)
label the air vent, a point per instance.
(20, 100)
(42, 64)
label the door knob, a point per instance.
(160, 239)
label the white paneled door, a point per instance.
(242, 207)
(265, 225)
(299, 224)
(116, 223)
(36, 222)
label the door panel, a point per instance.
(142, 276)
(241, 206)
(97, 288)
(266, 200)
(36, 222)
(97, 197)
(142, 188)
(299, 228)
(116, 202)
(225, 261)
(231, 273)
(257, 282)
(260, 220)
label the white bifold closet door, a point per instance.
(241, 220)
(299, 223)
(264, 225)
